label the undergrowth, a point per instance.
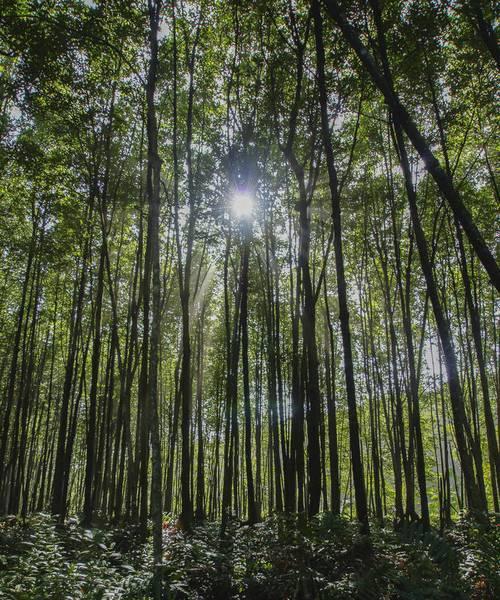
(280, 558)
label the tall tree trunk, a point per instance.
(200, 471)
(357, 464)
(153, 194)
(88, 508)
(253, 515)
(330, 368)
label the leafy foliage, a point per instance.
(282, 557)
(41, 560)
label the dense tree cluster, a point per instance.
(247, 259)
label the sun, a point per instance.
(242, 205)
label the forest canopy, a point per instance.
(249, 278)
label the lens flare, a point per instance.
(242, 205)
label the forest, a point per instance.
(249, 304)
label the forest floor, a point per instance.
(276, 559)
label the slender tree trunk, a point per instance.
(153, 194)
(357, 464)
(253, 515)
(200, 471)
